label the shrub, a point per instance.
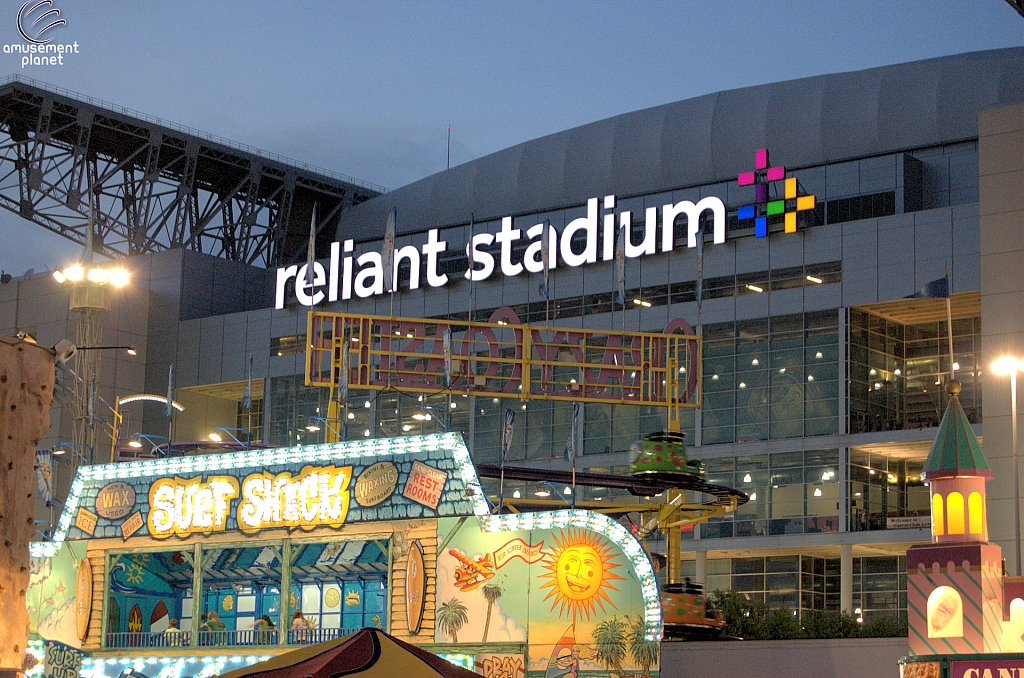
(755, 621)
(830, 624)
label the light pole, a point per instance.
(1010, 365)
(89, 298)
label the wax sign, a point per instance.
(116, 500)
(376, 483)
(425, 485)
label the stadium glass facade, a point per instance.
(820, 395)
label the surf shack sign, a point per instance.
(299, 488)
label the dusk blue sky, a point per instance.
(368, 88)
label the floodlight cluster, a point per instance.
(118, 277)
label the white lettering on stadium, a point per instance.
(341, 278)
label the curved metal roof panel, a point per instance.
(711, 138)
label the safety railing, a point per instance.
(150, 639)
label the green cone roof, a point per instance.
(956, 451)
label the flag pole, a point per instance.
(949, 323)
(472, 265)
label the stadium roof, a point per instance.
(707, 139)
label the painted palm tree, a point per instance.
(491, 592)
(452, 617)
(645, 652)
(610, 639)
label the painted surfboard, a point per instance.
(83, 598)
(159, 612)
(415, 588)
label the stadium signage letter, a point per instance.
(576, 245)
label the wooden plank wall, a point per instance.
(95, 554)
(425, 531)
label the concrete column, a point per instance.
(1001, 176)
(846, 578)
(702, 569)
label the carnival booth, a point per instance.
(200, 565)
(965, 616)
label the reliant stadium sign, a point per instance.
(577, 244)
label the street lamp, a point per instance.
(130, 350)
(137, 438)
(63, 446)
(423, 414)
(313, 426)
(217, 437)
(1003, 366)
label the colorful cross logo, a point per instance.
(764, 208)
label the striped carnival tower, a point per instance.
(955, 583)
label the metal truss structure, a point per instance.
(158, 185)
(504, 357)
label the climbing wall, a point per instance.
(26, 391)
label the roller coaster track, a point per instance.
(646, 484)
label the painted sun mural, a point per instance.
(579, 572)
